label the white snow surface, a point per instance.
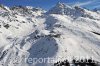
(34, 33)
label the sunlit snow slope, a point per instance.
(61, 32)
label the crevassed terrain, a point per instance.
(61, 32)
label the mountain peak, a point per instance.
(62, 5)
(64, 9)
(59, 8)
(59, 4)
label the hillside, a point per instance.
(63, 32)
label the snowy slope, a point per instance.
(63, 32)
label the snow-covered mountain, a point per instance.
(97, 10)
(63, 32)
(74, 12)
